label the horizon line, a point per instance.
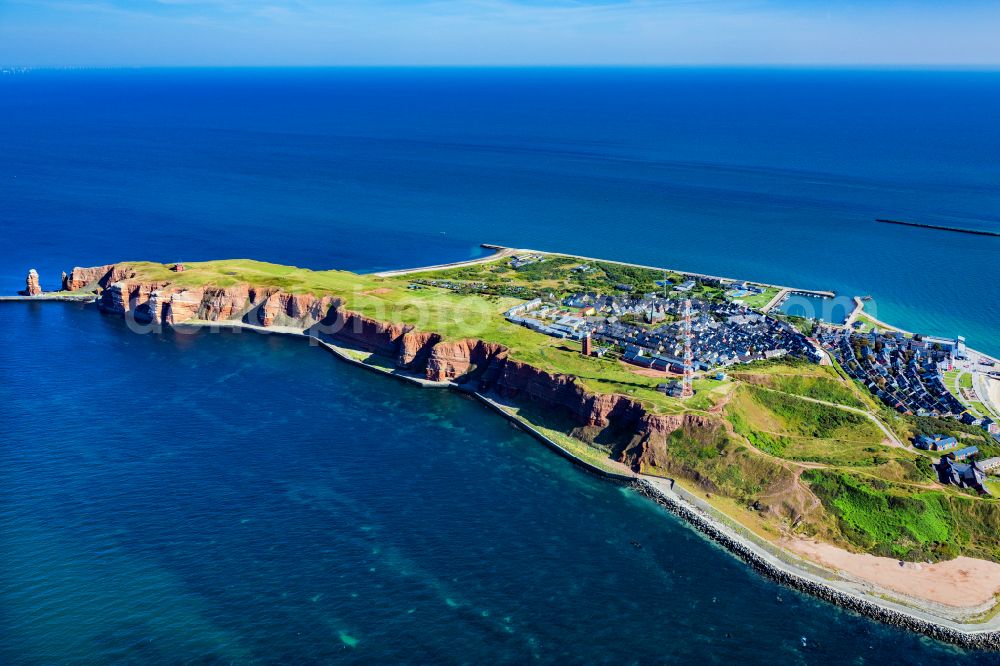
(916, 67)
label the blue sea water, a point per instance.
(821, 308)
(239, 498)
(772, 175)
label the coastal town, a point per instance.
(649, 331)
(905, 371)
(682, 337)
(906, 374)
(702, 390)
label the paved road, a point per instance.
(859, 306)
(981, 384)
(774, 301)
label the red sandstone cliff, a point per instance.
(521, 380)
(415, 348)
(97, 276)
(637, 436)
(649, 444)
(462, 359)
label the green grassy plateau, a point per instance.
(790, 447)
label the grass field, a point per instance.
(788, 427)
(762, 439)
(561, 274)
(453, 316)
(757, 301)
(964, 382)
(805, 379)
(867, 324)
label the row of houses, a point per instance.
(984, 422)
(958, 465)
(649, 329)
(935, 443)
(522, 260)
(965, 475)
(904, 373)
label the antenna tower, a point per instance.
(687, 388)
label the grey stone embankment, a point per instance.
(983, 640)
(68, 298)
(981, 637)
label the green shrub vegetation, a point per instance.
(802, 417)
(876, 498)
(817, 382)
(795, 429)
(888, 519)
(875, 518)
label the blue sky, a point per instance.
(496, 32)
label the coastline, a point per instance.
(983, 637)
(499, 252)
(993, 386)
(764, 556)
(68, 297)
(788, 569)
(505, 251)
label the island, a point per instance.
(853, 461)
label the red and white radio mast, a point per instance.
(687, 388)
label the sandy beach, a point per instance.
(960, 583)
(993, 386)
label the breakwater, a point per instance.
(760, 557)
(981, 640)
(939, 227)
(75, 298)
(500, 249)
(687, 510)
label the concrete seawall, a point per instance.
(552, 444)
(980, 640)
(967, 635)
(64, 297)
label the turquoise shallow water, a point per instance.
(240, 498)
(234, 498)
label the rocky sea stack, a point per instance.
(31, 286)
